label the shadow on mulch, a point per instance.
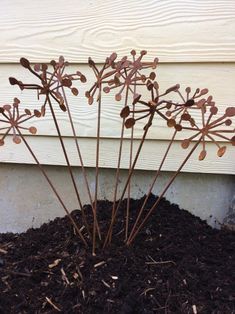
(178, 264)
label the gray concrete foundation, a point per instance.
(26, 199)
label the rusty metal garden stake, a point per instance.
(119, 159)
(126, 76)
(151, 111)
(96, 171)
(204, 131)
(68, 165)
(81, 160)
(152, 185)
(77, 145)
(134, 233)
(108, 238)
(52, 186)
(51, 83)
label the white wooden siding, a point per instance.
(195, 41)
(49, 151)
(211, 76)
(175, 30)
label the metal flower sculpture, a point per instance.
(13, 120)
(151, 108)
(179, 112)
(147, 109)
(133, 82)
(212, 129)
(51, 81)
(102, 77)
(128, 75)
(52, 85)
(209, 130)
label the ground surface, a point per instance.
(178, 264)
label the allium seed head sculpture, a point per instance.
(13, 120)
(127, 78)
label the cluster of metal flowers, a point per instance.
(125, 77)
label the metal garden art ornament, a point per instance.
(141, 99)
(13, 120)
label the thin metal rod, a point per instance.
(129, 184)
(68, 164)
(130, 163)
(119, 158)
(52, 186)
(130, 240)
(80, 159)
(109, 233)
(152, 185)
(96, 170)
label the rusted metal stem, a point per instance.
(68, 164)
(129, 184)
(119, 158)
(109, 233)
(80, 159)
(52, 187)
(130, 239)
(152, 185)
(96, 170)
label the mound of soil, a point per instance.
(177, 264)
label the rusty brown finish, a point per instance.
(125, 79)
(13, 118)
(52, 83)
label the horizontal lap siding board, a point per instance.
(194, 40)
(176, 31)
(212, 76)
(49, 152)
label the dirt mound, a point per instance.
(177, 264)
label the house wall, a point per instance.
(195, 43)
(26, 199)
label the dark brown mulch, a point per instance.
(178, 264)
